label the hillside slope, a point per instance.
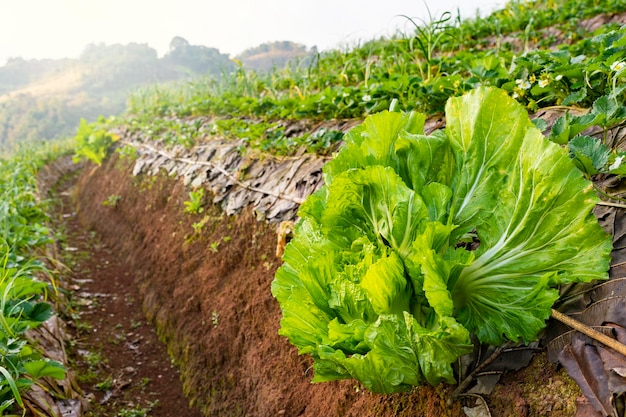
(45, 99)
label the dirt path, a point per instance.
(121, 365)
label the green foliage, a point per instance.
(195, 204)
(427, 40)
(138, 411)
(22, 285)
(589, 155)
(105, 385)
(28, 120)
(593, 156)
(112, 200)
(415, 242)
(92, 142)
(45, 99)
(444, 58)
(272, 55)
(127, 152)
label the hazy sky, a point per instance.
(62, 28)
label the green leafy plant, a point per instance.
(593, 155)
(138, 411)
(195, 204)
(445, 56)
(92, 143)
(428, 37)
(144, 382)
(105, 385)
(112, 200)
(416, 242)
(23, 288)
(127, 152)
(214, 246)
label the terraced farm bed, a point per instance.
(208, 295)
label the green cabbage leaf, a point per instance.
(416, 242)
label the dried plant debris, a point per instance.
(484, 367)
(613, 220)
(274, 188)
(600, 371)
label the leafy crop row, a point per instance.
(25, 282)
(444, 58)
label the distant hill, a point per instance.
(271, 55)
(45, 99)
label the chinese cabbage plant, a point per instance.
(415, 242)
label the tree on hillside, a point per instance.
(271, 55)
(199, 59)
(178, 43)
(120, 66)
(278, 46)
(28, 119)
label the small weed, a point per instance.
(197, 227)
(82, 327)
(138, 411)
(214, 247)
(195, 204)
(135, 324)
(87, 376)
(119, 338)
(94, 359)
(127, 152)
(144, 382)
(105, 385)
(215, 318)
(147, 183)
(112, 200)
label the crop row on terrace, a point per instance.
(572, 66)
(28, 287)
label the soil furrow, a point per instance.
(121, 365)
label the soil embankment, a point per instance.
(204, 281)
(209, 296)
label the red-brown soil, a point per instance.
(120, 364)
(208, 295)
